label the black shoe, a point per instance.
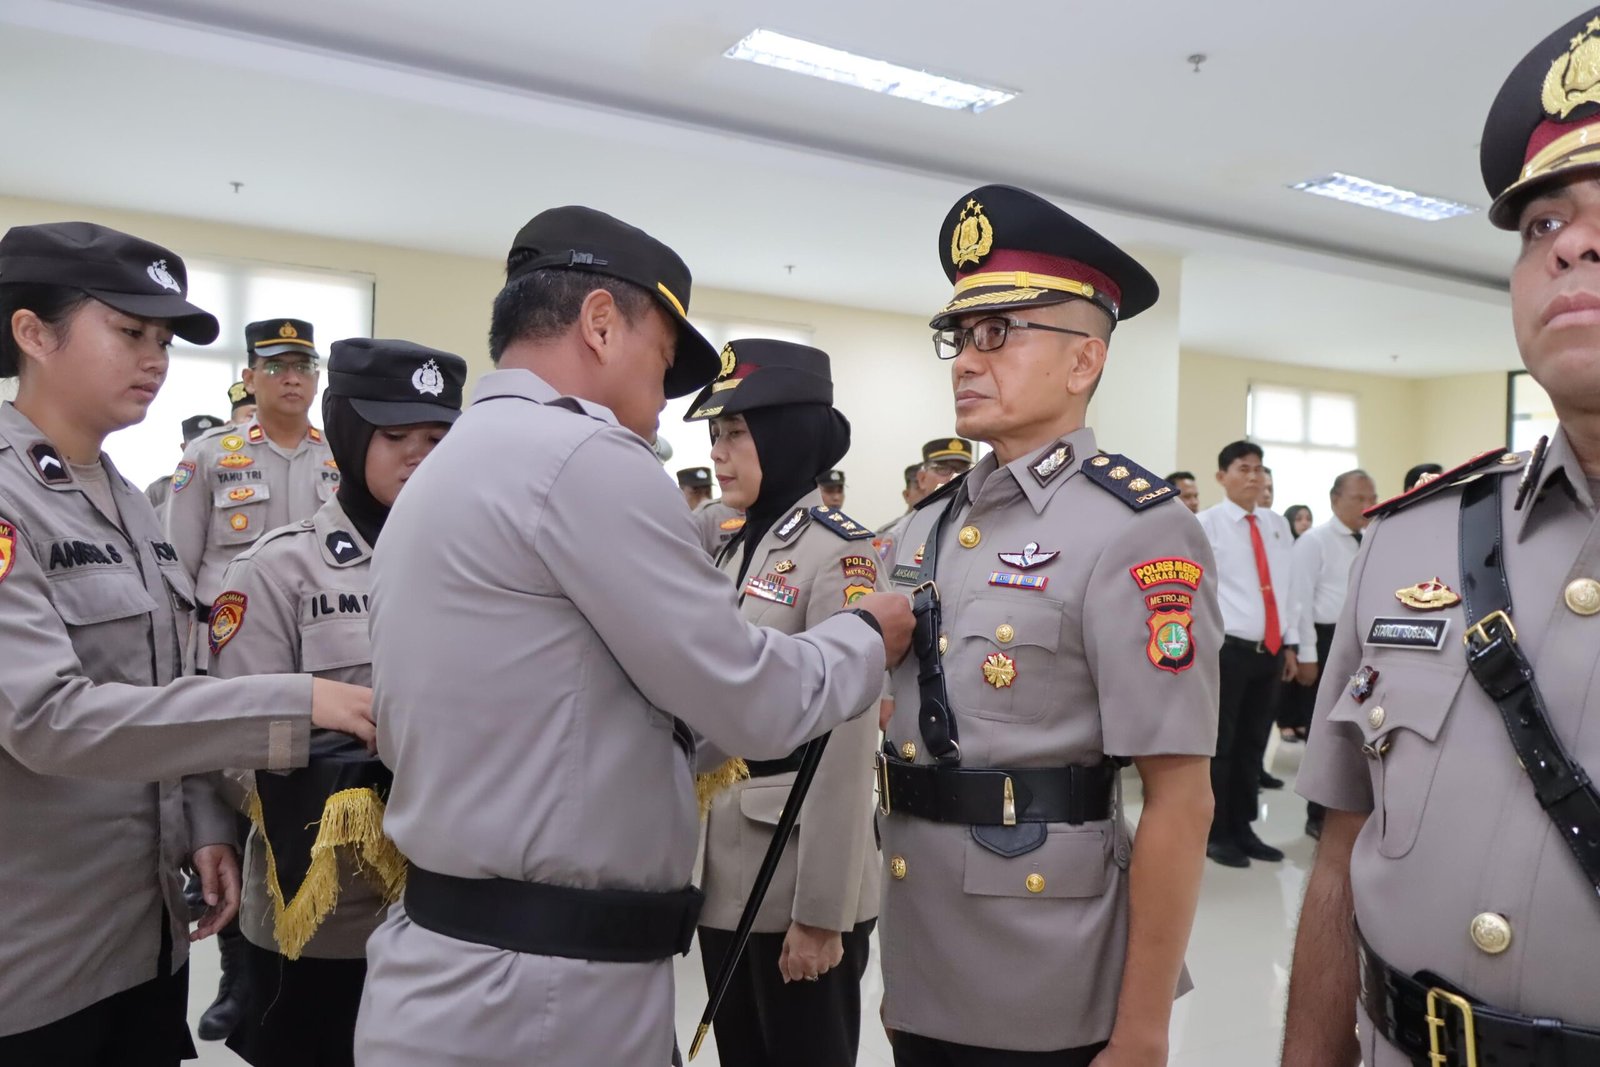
(1257, 849)
(1314, 829)
(227, 1011)
(1269, 782)
(1227, 853)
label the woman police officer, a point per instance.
(796, 998)
(104, 747)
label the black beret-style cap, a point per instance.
(947, 448)
(239, 395)
(831, 479)
(280, 337)
(761, 373)
(135, 276)
(583, 239)
(1005, 247)
(396, 383)
(195, 425)
(695, 478)
(1540, 126)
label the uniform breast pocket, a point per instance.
(335, 644)
(1002, 655)
(1072, 862)
(239, 513)
(107, 613)
(1401, 722)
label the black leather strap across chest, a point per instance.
(940, 737)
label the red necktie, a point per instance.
(1274, 636)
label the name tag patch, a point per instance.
(1408, 633)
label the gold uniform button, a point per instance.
(897, 868)
(1491, 933)
(909, 751)
(1004, 633)
(969, 537)
(1375, 718)
(1583, 596)
(1035, 882)
(944, 644)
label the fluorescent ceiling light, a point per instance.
(819, 61)
(1361, 191)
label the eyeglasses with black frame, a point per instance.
(987, 335)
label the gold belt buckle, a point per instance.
(1436, 1025)
(883, 783)
(1479, 629)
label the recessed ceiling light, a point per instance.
(832, 64)
(1367, 193)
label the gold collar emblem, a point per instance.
(1432, 595)
(972, 237)
(1574, 78)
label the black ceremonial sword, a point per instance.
(769, 866)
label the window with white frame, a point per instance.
(1309, 438)
(337, 305)
(690, 441)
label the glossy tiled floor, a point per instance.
(1239, 957)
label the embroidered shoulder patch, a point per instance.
(840, 523)
(1171, 645)
(1173, 569)
(860, 577)
(227, 617)
(1127, 481)
(182, 476)
(8, 548)
(1498, 458)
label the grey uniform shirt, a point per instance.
(805, 569)
(1455, 831)
(96, 736)
(542, 609)
(306, 609)
(158, 493)
(974, 951)
(717, 523)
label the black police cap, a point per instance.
(135, 276)
(1538, 129)
(831, 479)
(1004, 248)
(761, 373)
(396, 383)
(280, 337)
(195, 425)
(945, 449)
(695, 478)
(239, 395)
(583, 239)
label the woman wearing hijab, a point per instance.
(318, 871)
(796, 997)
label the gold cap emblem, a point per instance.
(1574, 77)
(972, 237)
(729, 361)
(1431, 595)
(957, 445)
(288, 331)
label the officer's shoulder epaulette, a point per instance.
(942, 492)
(1127, 481)
(840, 523)
(276, 534)
(1494, 461)
(215, 431)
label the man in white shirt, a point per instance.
(1322, 558)
(1260, 620)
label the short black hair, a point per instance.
(1176, 476)
(1417, 472)
(1237, 450)
(54, 304)
(542, 304)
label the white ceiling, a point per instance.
(445, 126)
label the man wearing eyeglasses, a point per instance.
(1067, 624)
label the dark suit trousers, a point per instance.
(914, 1050)
(764, 1022)
(1315, 811)
(1244, 725)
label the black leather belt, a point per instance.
(1437, 1025)
(614, 925)
(766, 768)
(1239, 644)
(995, 796)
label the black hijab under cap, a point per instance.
(795, 443)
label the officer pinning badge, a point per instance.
(241, 494)
(1175, 570)
(999, 670)
(1029, 558)
(239, 521)
(1362, 683)
(342, 547)
(182, 476)
(1408, 633)
(860, 577)
(235, 461)
(1019, 581)
(8, 548)
(1431, 595)
(428, 380)
(227, 616)
(1052, 463)
(772, 588)
(47, 461)
(233, 442)
(1171, 645)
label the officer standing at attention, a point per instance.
(548, 808)
(104, 749)
(276, 469)
(1066, 623)
(300, 598)
(1458, 722)
(943, 458)
(243, 404)
(831, 483)
(796, 996)
(160, 491)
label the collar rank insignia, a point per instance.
(791, 526)
(1362, 684)
(1127, 481)
(314, 433)
(342, 547)
(1029, 558)
(840, 523)
(1431, 595)
(1052, 463)
(47, 461)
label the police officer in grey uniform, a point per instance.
(695, 484)
(104, 748)
(160, 491)
(548, 807)
(1067, 623)
(943, 458)
(300, 597)
(717, 522)
(275, 469)
(1458, 722)
(831, 483)
(796, 996)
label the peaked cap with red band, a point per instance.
(1004, 247)
(760, 373)
(1545, 123)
